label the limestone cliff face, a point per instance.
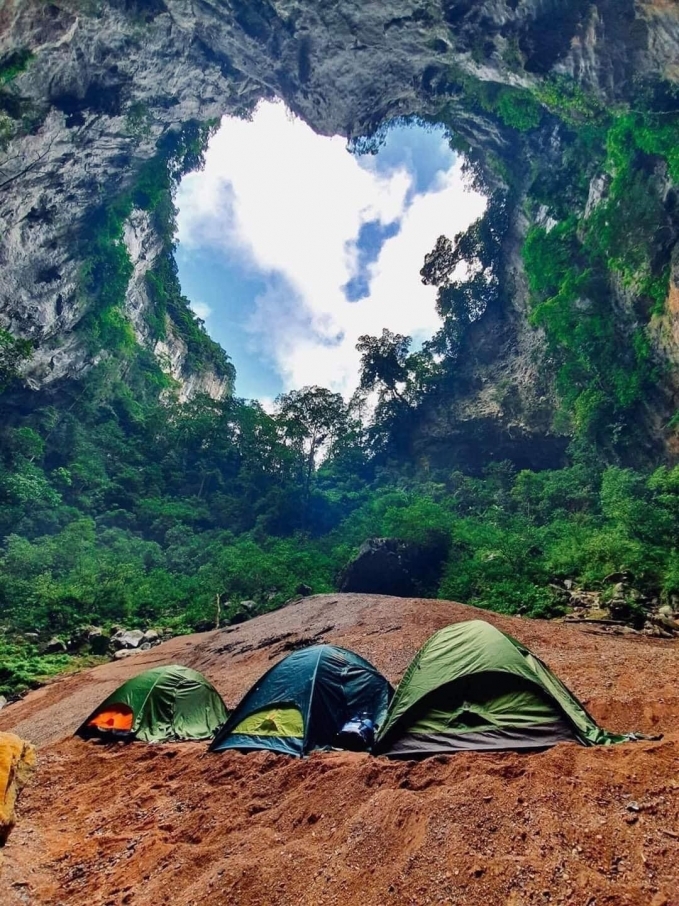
(107, 79)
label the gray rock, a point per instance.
(55, 646)
(128, 638)
(152, 637)
(125, 652)
(304, 590)
(32, 637)
(248, 606)
(3, 702)
(145, 646)
(666, 611)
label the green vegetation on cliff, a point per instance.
(107, 266)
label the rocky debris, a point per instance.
(55, 646)
(246, 611)
(135, 638)
(392, 566)
(90, 639)
(618, 607)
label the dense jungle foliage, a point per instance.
(118, 505)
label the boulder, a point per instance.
(303, 590)
(151, 637)
(81, 637)
(128, 638)
(92, 638)
(145, 646)
(126, 652)
(99, 644)
(32, 637)
(3, 702)
(204, 626)
(248, 606)
(55, 646)
(392, 566)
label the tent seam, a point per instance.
(311, 698)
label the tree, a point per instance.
(12, 354)
(312, 420)
(464, 300)
(439, 263)
(384, 363)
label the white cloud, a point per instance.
(202, 309)
(285, 202)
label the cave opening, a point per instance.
(291, 244)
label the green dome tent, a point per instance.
(471, 686)
(303, 702)
(165, 703)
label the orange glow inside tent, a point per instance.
(114, 717)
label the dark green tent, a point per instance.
(302, 703)
(471, 686)
(165, 703)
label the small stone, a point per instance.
(660, 899)
(633, 807)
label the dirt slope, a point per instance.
(171, 824)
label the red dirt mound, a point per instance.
(173, 824)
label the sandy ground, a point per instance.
(173, 824)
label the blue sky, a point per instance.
(290, 247)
